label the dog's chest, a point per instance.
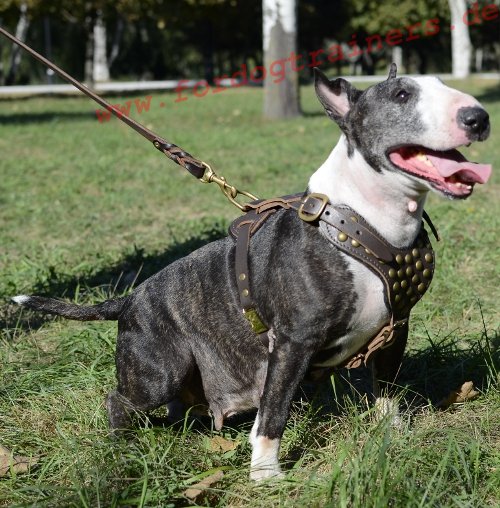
(369, 315)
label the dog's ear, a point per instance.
(337, 96)
(393, 69)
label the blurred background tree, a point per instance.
(172, 39)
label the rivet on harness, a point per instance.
(406, 273)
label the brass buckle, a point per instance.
(311, 217)
(230, 191)
(255, 321)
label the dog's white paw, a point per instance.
(386, 407)
(265, 463)
(258, 474)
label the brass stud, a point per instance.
(392, 273)
(421, 287)
(409, 271)
(395, 286)
(397, 298)
(401, 273)
(157, 144)
(427, 273)
(404, 284)
(399, 259)
(415, 279)
(415, 253)
(342, 237)
(409, 292)
(242, 276)
(245, 292)
(368, 251)
(354, 243)
(419, 265)
(413, 299)
(429, 258)
(408, 258)
(355, 219)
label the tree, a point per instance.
(281, 82)
(418, 45)
(21, 31)
(461, 48)
(100, 68)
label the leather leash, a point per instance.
(196, 167)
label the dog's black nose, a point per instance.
(475, 122)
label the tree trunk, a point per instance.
(461, 48)
(281, 83)
(397, 57)
(117, 39)
(47, 35)
(15, 56)
(88, 74)
(100, 71)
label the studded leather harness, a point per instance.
(405, 273)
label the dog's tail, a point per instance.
(109, 310)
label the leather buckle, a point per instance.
(312, 207)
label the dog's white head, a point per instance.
(412, 126)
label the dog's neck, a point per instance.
(390, 201)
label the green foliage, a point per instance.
(380, 17)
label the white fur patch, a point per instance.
(381, 198)
(438, 107)
(265, 454)
(265, 459)
(385, 407)
(21, 299)
(369, 315)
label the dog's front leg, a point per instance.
(385, 368)
(287, 366)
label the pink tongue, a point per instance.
(452, 162)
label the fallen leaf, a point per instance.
(220, 444)
(14, 463)
(198, 488)
(465, 392)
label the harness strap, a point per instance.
(405, 273)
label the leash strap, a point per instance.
(184, 159)
(194, 166)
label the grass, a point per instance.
(89, 208)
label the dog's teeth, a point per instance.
(423, 158)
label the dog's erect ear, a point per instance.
(337, 96)
(393, 69)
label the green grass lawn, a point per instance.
(89, 208)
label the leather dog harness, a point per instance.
(405, 273)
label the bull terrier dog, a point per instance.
(313, 270)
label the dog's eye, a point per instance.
(402, 95)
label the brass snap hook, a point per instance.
(230, 191)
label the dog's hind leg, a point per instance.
(150, 373)
(119, 411)
(287, 366)
(385, 369)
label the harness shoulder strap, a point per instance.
(242, 230)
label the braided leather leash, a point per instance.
(199, 169)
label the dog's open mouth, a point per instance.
(448, 172)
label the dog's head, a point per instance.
(411, 125)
